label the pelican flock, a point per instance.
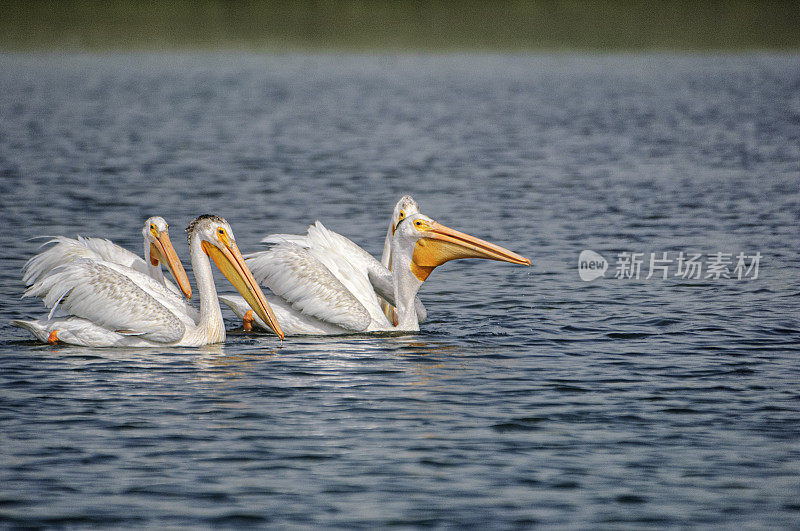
(320, 283)
(323, 283)
(109, 304)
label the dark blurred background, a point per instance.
(401, 25)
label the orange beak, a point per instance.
(442, 244)
(161, 250)
(231, 262)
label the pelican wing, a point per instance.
(76, 331)
(323, 240)
(292, 322)
(379, 276)
(295, 274)
(382, 282)
(68, 249)
(111, 252)
(332, 248)
(112, 296)
(356, 269)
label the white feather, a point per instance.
(77, 331)
(323, 276)
(107, 304)
(114, 298)
(67, 249)
(296, 275)
(292, 322)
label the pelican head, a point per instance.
(432, 244)
(217, 241)
(404, 208)
(156, 231)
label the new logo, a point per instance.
(591, 265)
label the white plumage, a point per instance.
(326, 278)
(295, 274)
(116, 298)
(155, 237)
(406, 206)
(114, 305)
(68, 249)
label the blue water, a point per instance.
(529, 396)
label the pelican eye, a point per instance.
(402, 214)
(222, 235)
(420, 225)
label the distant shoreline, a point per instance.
(399, 26)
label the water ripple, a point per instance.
(528, 398)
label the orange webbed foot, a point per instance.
(247, 321)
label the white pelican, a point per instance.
(404, 207)
(114, 305)
(157, 250)
(326, 284)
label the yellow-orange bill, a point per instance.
(161, 249)
(442, 244)
(231, 262)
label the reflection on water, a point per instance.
(528, 397)
(223, 370)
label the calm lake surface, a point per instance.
(529, 396)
